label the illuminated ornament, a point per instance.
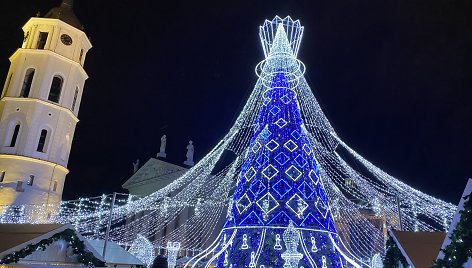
(291, 238)
(143, 250)
(225, 263)
(253, 259)
(313, 245)
(244, 245)
(277, 245)
(323, 260)
(172, 252)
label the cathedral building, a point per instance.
(39, 109)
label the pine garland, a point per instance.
(393, 255)
(68, 235)
(459, 250)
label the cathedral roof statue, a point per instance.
(65, 13)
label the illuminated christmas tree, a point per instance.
(280, 215)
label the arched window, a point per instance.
(42, 141)
(56, 87)
(14, 137)
(25, 89)
(74, 101)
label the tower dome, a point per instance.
(65, 13)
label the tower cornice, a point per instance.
(43, 102)
(50, 53)
(32, 159)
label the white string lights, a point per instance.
(201, 195)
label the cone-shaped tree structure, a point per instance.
(280, 215)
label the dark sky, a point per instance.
(393, 77)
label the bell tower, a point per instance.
(39, 106)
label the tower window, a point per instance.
(43, 37)
(81, 55)
(30, 180)
(14, 137)
(25, 89)
(2, 175)
(54, 188)
(19, 186)
(42, 141)
(56, 87)
(74, 101)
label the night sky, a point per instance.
(393, 77)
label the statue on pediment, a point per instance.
(162, 149)
(190, 151)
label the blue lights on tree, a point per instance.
(280, 216)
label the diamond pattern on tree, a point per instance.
(307, 149)
(274, 110)
(282, 158)
(266, 101)
(281, 187)
(269, 172)
(290, 145)
(281, 122)
(297, 205)
(255, 148)
(286, 99)
(296, 135)
(301, 161)
(272, 145)
(267, 203)
(262, 159)
(293, 173)
(314, 177)
(250, 173)
(257, 187)
(265, 133)
(306, 190)
(322, 208)
(243, 203)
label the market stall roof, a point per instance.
(115, 254)
(419, 248)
